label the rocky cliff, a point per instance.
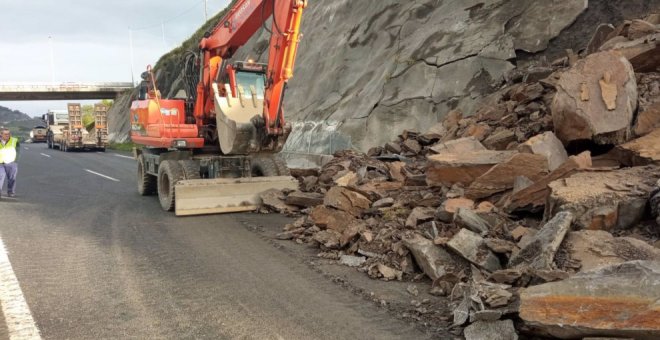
(366, 70)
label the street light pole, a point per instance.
(162, 28)
(52, 60)
(206, 13)
(130, 43)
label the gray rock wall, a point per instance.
(368, 69)
(376, 67)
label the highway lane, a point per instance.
(96, 260)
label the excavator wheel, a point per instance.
(146, 183)
(190, 169)
(269, 165)
(169, 173)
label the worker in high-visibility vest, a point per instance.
(9, 149)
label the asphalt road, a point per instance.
(95, 260)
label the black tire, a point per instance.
(269, 165)
(190, 169)
(101, 149)
(146, 183)
(169, 173)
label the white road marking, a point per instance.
(45, 155)
(102, 175)
(20, 323)
(122, 156)
(26, 148)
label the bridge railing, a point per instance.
(11, 87)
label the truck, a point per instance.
(101, 126)
(66, 131)
(38, 134)
(214, 147)
(56, 120)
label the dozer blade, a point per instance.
(224, 195)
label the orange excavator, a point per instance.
(214, 146)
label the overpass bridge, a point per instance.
(62, 91)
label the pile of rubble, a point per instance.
(495, 212)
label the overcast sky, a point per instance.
(89, 39)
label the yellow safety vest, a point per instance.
(8, 151)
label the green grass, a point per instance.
(128, 146)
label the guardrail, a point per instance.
(63, 86)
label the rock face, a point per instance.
(596, 100)
(119, 124)
(393, 49)
(616, 301)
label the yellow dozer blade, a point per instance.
(224, 195)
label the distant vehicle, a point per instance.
(56, 121)
(66, 131)
(39, 134)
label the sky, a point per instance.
(90, 40)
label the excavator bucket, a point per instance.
(224, 195)
(234, 117)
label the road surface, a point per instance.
(94, 260)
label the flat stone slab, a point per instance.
(617, 301)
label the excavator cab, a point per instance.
(244, 76)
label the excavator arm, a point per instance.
(243, 20)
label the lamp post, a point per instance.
(52, 59)
(130, 43)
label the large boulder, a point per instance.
(604, 200)
(596, 248)
(596, 100)
(614, 301)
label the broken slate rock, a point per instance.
(501, 176)
(304, 199)
(473, 248)
(604, 199)
(597, 248)
(449, 168)
(615, 301)
(383, 203)
(327, 238)
(533, 197)
(346, 200)
(419, 215)
(577, 119)
(273, 199)
(491, 330)
(389, 273)
(448, 208)
(548, 145)
(460, 145)
(467, 218)
(329, 218)
(434, 260)
(352, 261)
(540, 252)
(641, 151)
(648, 120)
